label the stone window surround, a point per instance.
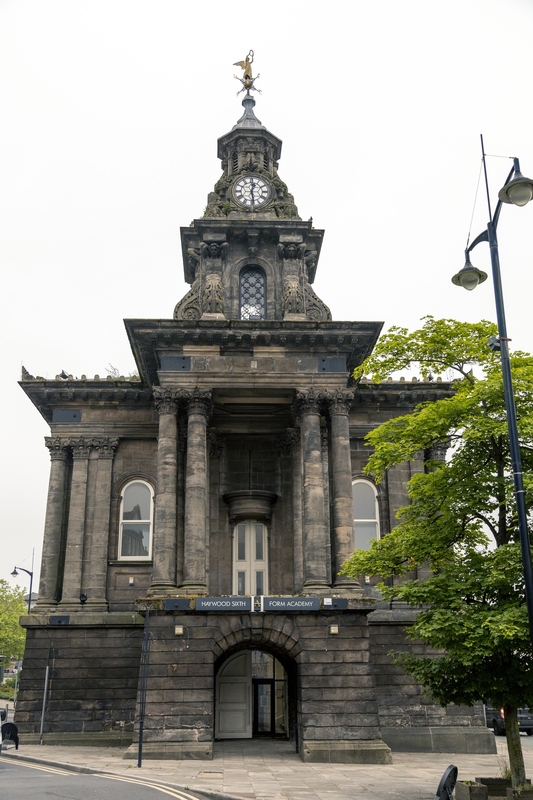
(131, 558)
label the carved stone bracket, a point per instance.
(315, 309)
(189, 307)
(288, 442)
(212, 297)
(290, 250)
(293, 301)
(215, 444)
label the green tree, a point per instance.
(12, 606)
(461, 521)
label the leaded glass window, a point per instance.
(253, 293)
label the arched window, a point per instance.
(136, 521)
(250, 558)
(252, 293)
(365, 513)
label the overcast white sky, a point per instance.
(110, 114)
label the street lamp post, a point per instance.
(30, 573)
(519, 191)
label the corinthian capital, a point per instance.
(165, 400)
(309, 401)
(339, 402)
(81, 447)
(106, 447)
(57, 447)
(197, 400)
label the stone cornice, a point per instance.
(394, 394)
(49, 394)
(148, 338)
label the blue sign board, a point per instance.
(223, 603)
(291, 604)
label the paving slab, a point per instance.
(260, 770)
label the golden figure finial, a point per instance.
(247, 80)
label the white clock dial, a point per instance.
(251, 191)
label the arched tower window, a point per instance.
(136, 521)
(252, 293)
(365, 513)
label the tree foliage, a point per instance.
(461, 521)
(12, 606)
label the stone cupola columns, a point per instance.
(315, 538)
(199, 406)
(165, 540)
(53, 524)
(339, 404)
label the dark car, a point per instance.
(3, 714)
(496, 720)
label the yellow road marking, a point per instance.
(42, 767)
(164, 789)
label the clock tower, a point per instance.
(214, 499)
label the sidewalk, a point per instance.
(271, 770)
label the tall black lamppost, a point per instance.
(519, 191)
(30, 573)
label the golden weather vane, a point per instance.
(247, 80)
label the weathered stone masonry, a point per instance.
(226, 471)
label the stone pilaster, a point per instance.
(316, 570)
(339, 404)
(165, 536)
(94, 583)
(70, 598)
(196, 509)
(53, 524)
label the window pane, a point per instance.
(135, 540)
(364, 501)
(364, 533)
(136, 503)
(259, 544)
(259, 583)
(241, 583)
(241, 543)
(262, 664)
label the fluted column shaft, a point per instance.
(165, 536)
(76, 524)
(194, 545)
(53, 524)
(316, 571)
(94, 582)
(342, 501)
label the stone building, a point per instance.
(221, 492)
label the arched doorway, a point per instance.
(252, 697)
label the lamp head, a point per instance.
(518, 190)
(15, 573)
(469, 276)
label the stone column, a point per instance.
(316, 571)
(95, 573)
(53, 524)
(165, 537)
(339, 405)
(194, 545)
(70, 599)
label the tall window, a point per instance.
(252, 293)
(250, 559)
(365, 513)
(136, 520)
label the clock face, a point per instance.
(251, 191)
